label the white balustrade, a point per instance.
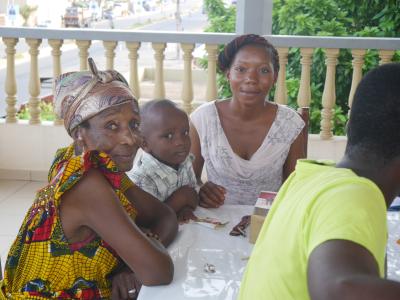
(34, 81)
(187, 84)
(110, 53)
(11, 83)
(358, 62)
(329, 94)
(133, 48)
(304, 95)
(159, 85)
(280, 92)
(211, 91)
(83, 47)
(56, 54)
(385, 56)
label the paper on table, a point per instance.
(213, 223)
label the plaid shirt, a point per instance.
(161, 180)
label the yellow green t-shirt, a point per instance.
(317, 203)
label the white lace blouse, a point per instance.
(244, 179)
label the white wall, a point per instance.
(26, 151)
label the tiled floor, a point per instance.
(15, 198)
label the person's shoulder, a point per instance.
(145, 166)
(289, 114)
(203, 108)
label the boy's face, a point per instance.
(167, 136)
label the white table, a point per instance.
(393, 248)
(197, 245)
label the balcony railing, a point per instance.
(133, 41)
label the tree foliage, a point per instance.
(360, 18)
(25, 11)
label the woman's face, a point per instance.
(114, 131)
(251, 75)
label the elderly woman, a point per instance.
(85, 226)
(247, 143)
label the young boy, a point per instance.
(165, 167)
(325, 235)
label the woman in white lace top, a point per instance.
(246, 143)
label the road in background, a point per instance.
(191, 21)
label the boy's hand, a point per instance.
(185, 196)
(185, 215)
(211, 195)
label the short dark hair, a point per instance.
(152, 104)
(147, 108)
(374, 125)
(226, 57)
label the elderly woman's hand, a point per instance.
(211, 195)
(125, 285)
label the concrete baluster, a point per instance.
(11, 83)
(83, 53)
(133, 48)
(56, 54)
(280, 92)
(211, 92)
(304, 95)
(159, 87)
(187, 88)
(358, 62)
(34, 81)
(110, 53)
(385, 56)
(329, 94)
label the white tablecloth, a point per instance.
(197, 245)
(393, 248)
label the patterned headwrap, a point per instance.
(78, 96)
(226, 57)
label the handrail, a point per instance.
(206, 38)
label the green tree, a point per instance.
(373, 18)
(25, 11)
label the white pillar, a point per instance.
(133, 48)
(11, 83)
(187, 85)
(358, 62)
(56, 54)
(83, 53)
(280, 92)
(110, 53)
(254, 16)
(211, 93)
(329, 94)
(304, 96)
(159, 85)
(34, 81)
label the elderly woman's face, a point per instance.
(251, 75)
(114, 131)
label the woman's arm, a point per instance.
(210, 194)
(153, 214)
(92, 203)
(297, 151)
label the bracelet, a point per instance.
(153, 235)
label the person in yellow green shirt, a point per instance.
(325, 236)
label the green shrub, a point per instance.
(46, 112)
(373, 18)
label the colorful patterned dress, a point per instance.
(42, 264)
